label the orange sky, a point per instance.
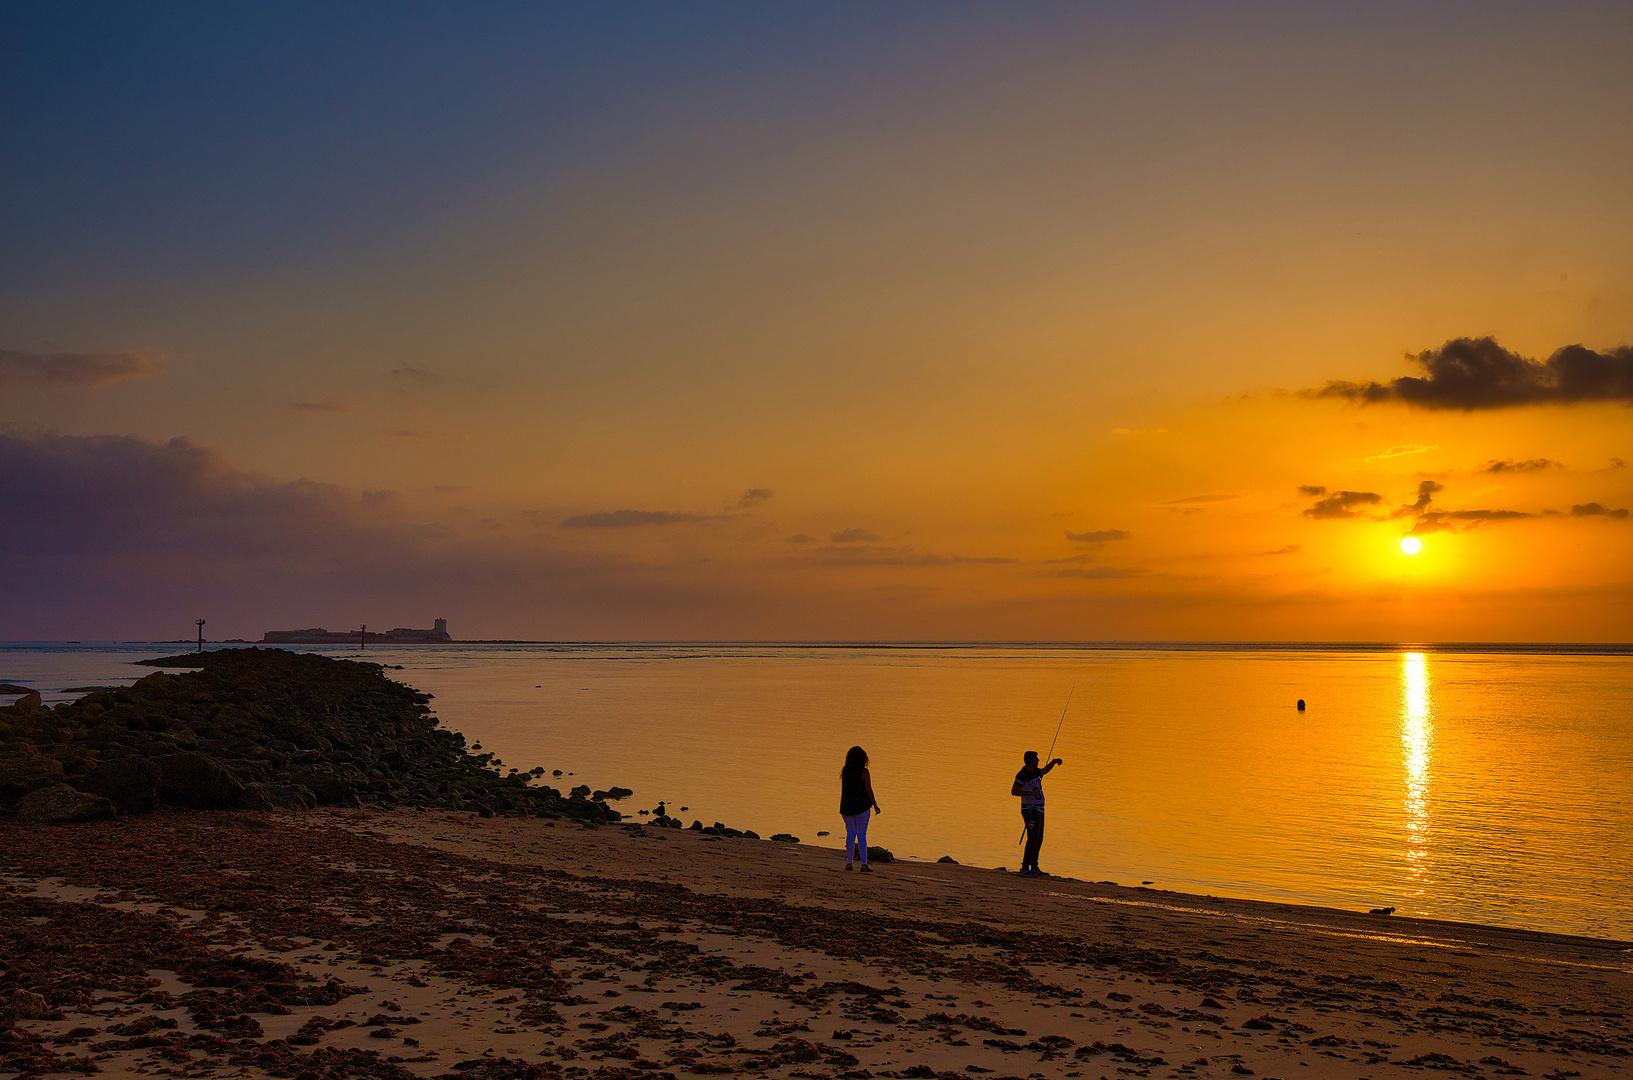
(940, 289)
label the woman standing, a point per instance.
(856, 802)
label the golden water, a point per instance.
(1476, 786)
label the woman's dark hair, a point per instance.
(856, 759)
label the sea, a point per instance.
(1477, 783)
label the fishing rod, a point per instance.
(1051, 755)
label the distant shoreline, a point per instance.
(1497, 647)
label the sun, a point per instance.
(1411, 545)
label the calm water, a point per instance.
(1480, 786)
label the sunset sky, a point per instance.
(821, 321)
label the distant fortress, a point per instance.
(317, 635)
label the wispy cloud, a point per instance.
(83, 370)
(877, 555)
(853, 536)
(1509, 465)
(1402, 451)
(633, 519)
(409, 375)
(1097, 537)
(324, 407)
(1478, 373)
(1098, 573)
(1290, 549)
(753, 497)
(1211, 497)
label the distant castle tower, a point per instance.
(440, 627)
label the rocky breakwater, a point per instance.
(256, 729)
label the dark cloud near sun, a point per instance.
(753, 497)
(853, 536)
(75, 369)
(1426, 517)
(1341, 504)
(1097, 537)
(1290, 549)
(1427, 490)
(1478, 373)
(1312, 490)
(1509, 465)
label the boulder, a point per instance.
(60, 804)
(879, 854)
(581, 809)
(328, 788)
(945, 859)
(278, 797)
(23, 773)
(200, 781)
(26, 1005)
(29, 702)
(132, 783)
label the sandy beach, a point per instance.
(422, 943)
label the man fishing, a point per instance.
(1029, 786)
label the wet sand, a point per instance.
(426, 943)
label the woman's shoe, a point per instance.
(847, 866)
(866, 869)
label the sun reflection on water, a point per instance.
(1417, 746)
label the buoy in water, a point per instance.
(1300, 704)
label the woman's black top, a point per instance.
(853, 793)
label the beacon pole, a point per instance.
(200, 623)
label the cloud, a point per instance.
(1596, 510)
(1097, 573)
(1139, 431)
(1427, 490)
(1488, 515)
(875, 555)
(853, 536)
(87, 370)
(1312, 490)
(1434, 521)
(323, 407)
(1402, 451)
(1478, 373)
(112, 536)
(1509, 465)
(1341, 504)
(753, 497)
(1212, 497)
(1099, 537)
(409, 375)
(801, 538)
(426, 435)
(1288, 550)
(631, 519)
